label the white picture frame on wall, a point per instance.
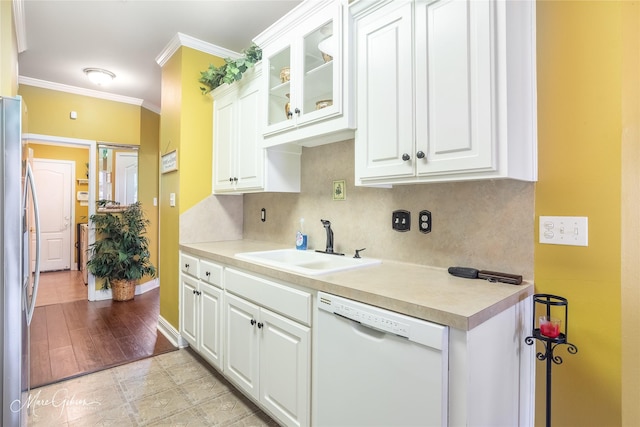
(169, 162)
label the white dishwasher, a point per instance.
(374, 367)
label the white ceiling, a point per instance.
(126, 37)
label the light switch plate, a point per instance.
(564, 230)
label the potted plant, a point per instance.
(230, 71)
(120, 253)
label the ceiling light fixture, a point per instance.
(99, 76)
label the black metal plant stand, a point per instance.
(551, 335)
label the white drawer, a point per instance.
(211, 273)
(287, 301)
(189, 264)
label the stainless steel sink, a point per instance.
(306, 262)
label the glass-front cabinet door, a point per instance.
(303, 57)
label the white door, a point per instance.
(241, 346)
(210, 300)
(385, 140)
(223, 140)
(455, 59)
(54, 181)
(126, 178)
(285, 370)
(189, 312)
(249, 153)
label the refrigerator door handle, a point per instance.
(30, 185)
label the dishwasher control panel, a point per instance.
(373, 320)
(416, 330)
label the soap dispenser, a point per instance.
(301, 238)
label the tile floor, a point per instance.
(57, 287)
(172, 389)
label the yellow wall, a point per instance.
(579, 142)
(185, 126)
(196, 130)
(9, 51)
(98, 119)
(631, 214)
(49, 115)
(148, 166)
(169, 183)
(81, 157)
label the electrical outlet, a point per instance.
(564, 230)
(401, 220)
(424, 221)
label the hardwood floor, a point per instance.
(79, 337)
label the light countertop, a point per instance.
(420, 291)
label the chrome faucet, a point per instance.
(327, 226)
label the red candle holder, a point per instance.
(550, 326)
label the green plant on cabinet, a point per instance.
(230, 71)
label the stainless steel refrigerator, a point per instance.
(18, 281)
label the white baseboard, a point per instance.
(103, 294)
(171, 333)
(148, 286)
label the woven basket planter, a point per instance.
(122, 289)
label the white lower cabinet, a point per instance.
(257, 332)
(267, 354)
(201, 308)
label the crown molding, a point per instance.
(28, 81)
(20, 24)
(180, 40)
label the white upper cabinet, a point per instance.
(307, 79)
(240, 162)
(445, 90)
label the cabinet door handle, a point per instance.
(253, 322)
(406, 157)
(260, 325)
(207, 273)
(297, 110)
(230, 179)
(193, 292)
(420, 154)
(235, 179)
(186, 266)
(289, 114)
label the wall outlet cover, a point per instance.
(564, 230)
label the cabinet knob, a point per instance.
(186, 266)
(253, 322)
(260, 325)
(230, 179)
(235, 179)
(297, 110)
(406, 157)
(289, 114)
(207, 273)
(420, 154)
